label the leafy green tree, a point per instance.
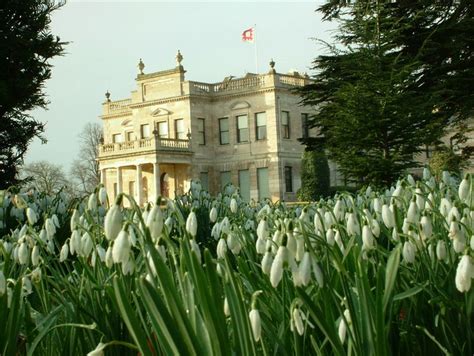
(26, 47)
(397, 78)
(314, 176)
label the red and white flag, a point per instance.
(248, 35)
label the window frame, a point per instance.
(202, 134)
(288, 179)
(239, 135)
(142, 136)
(221, 120)
(257, 132)
(117, 135)
(286, 134)
(176, 132)
(160, 135)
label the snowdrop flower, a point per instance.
(113, 220)
(318, 273)
(50, 228)
(419, 198)
(154, 222)
(75, 242)
(3, 283)
(330, 237)
(98, 351)
(445, 207)
(353, 227)
(267, 262)
(195, 249)
(463, 190)
(453, 214)
(367, 238)
(233, 205)
(31, 216)
(343, 324)
(296, 321)
(412, 213)
(441, 250)
(169, 222)
(74, 219)
(102, 195)
(387, 216)
(23, 254)
(36, 275)
(109, 260)
(226, 306)
(35, 256)
(121, 248)
(339, 209)
(305, 269)
(426, 227)
(276, 272)
(86, 244)
(64, 252)
(191, 224)
(464, 274)
(256, 324)
(408, 252)
(26, 285)
(92, 202)
(213, 214)
(221, 248)
(338, 240)
(375, 227)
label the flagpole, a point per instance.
(256, 52)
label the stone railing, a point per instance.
(119, 106)
(291, 80)
(144, 145)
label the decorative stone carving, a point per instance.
(141, 66)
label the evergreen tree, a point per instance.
(26, 46)
(314, 176)
(398, 76)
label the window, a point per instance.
(261, 125)
(244, 184)
(163, 129)
(131, 187)
(117, 138)
(285, 124)
(242, 128)
(130, 136)
(201, 132)
(225, 178)
(179, 129)
(204, 178)
(262, 183)
(224, 131)
(304, 126)
(288, 180)
(144, 131)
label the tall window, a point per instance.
(304, 126)
(204, 178)
(225, 178)
(244, 184)
(130, 136)
(201, 133)
(242, 128)
(288, 179)
(179, 129)
(285, 124)
(144, 131)
(262, 183)
(117, 138)
(162, 129)
(261, 125)
(224, 131)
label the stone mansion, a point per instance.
(171, 131)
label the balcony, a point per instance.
(145, 145)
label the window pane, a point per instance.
(224, 131)
(244, 184)
(224, 137)
(144, 130)
(201, 137)
(163, 129)
(225, 178)
(224, 124)
(179, 128)
(261, 118)
(288, 180)
(261, 122)
(262, 181)
(242, 128)
(285, 116)
(116, 138)
(242, 121)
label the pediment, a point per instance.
(240, 105)
(160, 112)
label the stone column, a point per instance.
(139, 189)
(156, 179)
(119, 180)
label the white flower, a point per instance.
(98, 351)
(195, 249)
(464, 274)
(74, 220)
(276, 272)
(256, 324)
(226, 306)
(233, 205)
(154, 222)
(318, 273)
(102, 195)
(426, 227)
(26, 285)
(342, 329)
(92, 202)
(3, 283)
(330, 237)
(86, 244)
(113, 221)
(36, 275)
(121, 248)
(23, 254)
(31, 216)
(267, 262)
(305, 269)
(367, 238)
(441, 250)
(408, 252)
(412, 214)
(221, 248)
(387, 216)
(75, 242)
(353, 227)
(213, 214)
(375, 227)
(339, 209)
(35, 256)
(338, 240)
(50, 228)
(109, 260)
(191, 224)
(463, 190)
(297, 321)
(101, 253)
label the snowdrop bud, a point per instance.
(256, 324)
(121, 248)
(464, 274)
(31, 216)
(276, 272)
(426, 173)
(221, 248)
(408, 252)
(23, 254)
(375, 227)
(305, 269)
(213, 214)
(412, 214)
(463, 190)
(64, 252)
(226, 306)
(426, 227)
(101, 253)
(387, 216)
(35, 256)
(92, 202)
(330, 237)
(195, 249)
(102, 195)
(169, 222)
(74, 220)
(420, 200)
(191, 224)
(338, 240)
(267, 262)
(233, 205)
(154, 222)
(367, 238)
(260, 245)
(297, 320)
(353, 227)
(3, 284)
(113, 220)
(50, 228)
(342, 329)
(318, 273)
(262, 229)
(26, 285)
(395, 236)
(472, 242)
(86, 244)
(441, 250)
(109, 260)
(98, 351)
(405, 226)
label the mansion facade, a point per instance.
(170, 131)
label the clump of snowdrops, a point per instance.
(379, 272)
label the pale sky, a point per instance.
(108, 38)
